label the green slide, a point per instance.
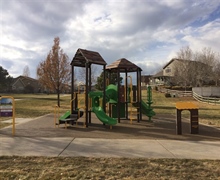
(145, 109)
(103, 117)
(97, 109)
(66, 115)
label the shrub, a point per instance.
(167, 95)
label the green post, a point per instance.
(149, 102)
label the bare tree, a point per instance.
(196, 69)
(26, 71)
(184, 70)
(185, 53)
(206, 73)
(216, 71)
(54, 72)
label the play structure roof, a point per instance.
(123, 65)
(84, 56)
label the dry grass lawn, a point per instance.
(107, 168)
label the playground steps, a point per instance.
(70, 119)
(133, 113)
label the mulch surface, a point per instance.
(161, 127)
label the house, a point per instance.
(24, 84)
(158, 79)
(182, 72)
(145, 80)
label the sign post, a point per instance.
(7, 109)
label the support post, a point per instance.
(72, 90)
(104, 88)
(139, 94)
(90, 87)
(118, 103)
(126, 94)
(86, 104)
(194, 121)
(178, 122)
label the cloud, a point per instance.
(148, 33)
(204, 35)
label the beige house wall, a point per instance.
(170, 69)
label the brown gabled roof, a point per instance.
(167, 64)
(25, 80)
(123, 65)
(83, 56)
(184, 61)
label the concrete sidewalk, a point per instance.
(90, 147)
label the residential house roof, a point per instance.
(22, 81)
(174, 59)
(183, 60)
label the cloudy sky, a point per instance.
(146, 32)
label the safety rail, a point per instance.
(209, 100)
(133, 110)
(56, 114)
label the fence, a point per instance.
(204, 99)
(209, 100)
(176, 93)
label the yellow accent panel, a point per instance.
(185, 105)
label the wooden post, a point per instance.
(104, 88)
(178, 122)
(194, 122)
(118, 103)
(87, 101)
(126, 94)
(89, 89)
(72, 91)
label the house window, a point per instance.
(168, 70)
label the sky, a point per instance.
(148, 33)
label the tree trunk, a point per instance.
(58, 97)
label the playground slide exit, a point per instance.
(103, 117)
(145, 109)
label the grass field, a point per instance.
(108, 168)
(34, 105)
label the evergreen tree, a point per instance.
(112, 80)
(5, 80)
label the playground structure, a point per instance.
(122, 101)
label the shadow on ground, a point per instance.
(162, 127)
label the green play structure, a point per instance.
(115, 101)
(98, 110)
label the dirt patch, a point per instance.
(106, 168)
